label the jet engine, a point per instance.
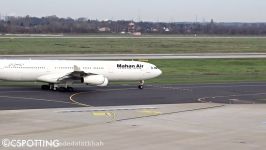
(98, 80)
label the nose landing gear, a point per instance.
(141, 83)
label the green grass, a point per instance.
(174, 71)
(210, 71)
(128, 46)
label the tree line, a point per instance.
(55, 25)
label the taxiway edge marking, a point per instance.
(71, 98)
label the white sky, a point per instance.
(146, 10)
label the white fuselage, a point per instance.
(32, 70)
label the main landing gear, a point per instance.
(55, 87)
(141, 83)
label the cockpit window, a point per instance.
(154, 68)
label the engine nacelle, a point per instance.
(98, 80)
(105, 83)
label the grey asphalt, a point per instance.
(12, 98)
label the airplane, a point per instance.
(61, 74)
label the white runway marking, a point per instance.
(35, 99)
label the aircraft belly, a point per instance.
(125, 76)
(29, 76)
(10, 75)
(18, 75)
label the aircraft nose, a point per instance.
(159, 72)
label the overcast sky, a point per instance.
(146, 10)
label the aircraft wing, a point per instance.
(76, 74)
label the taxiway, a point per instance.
(159, 117)
(31, 97)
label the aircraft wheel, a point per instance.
(140, 87)
(62, 89)
(141, 83)
(45, 87)
(70, 89)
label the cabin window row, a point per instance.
(27, 67)
(85, 68)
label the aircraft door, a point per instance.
(1, 66)
(48, 69)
